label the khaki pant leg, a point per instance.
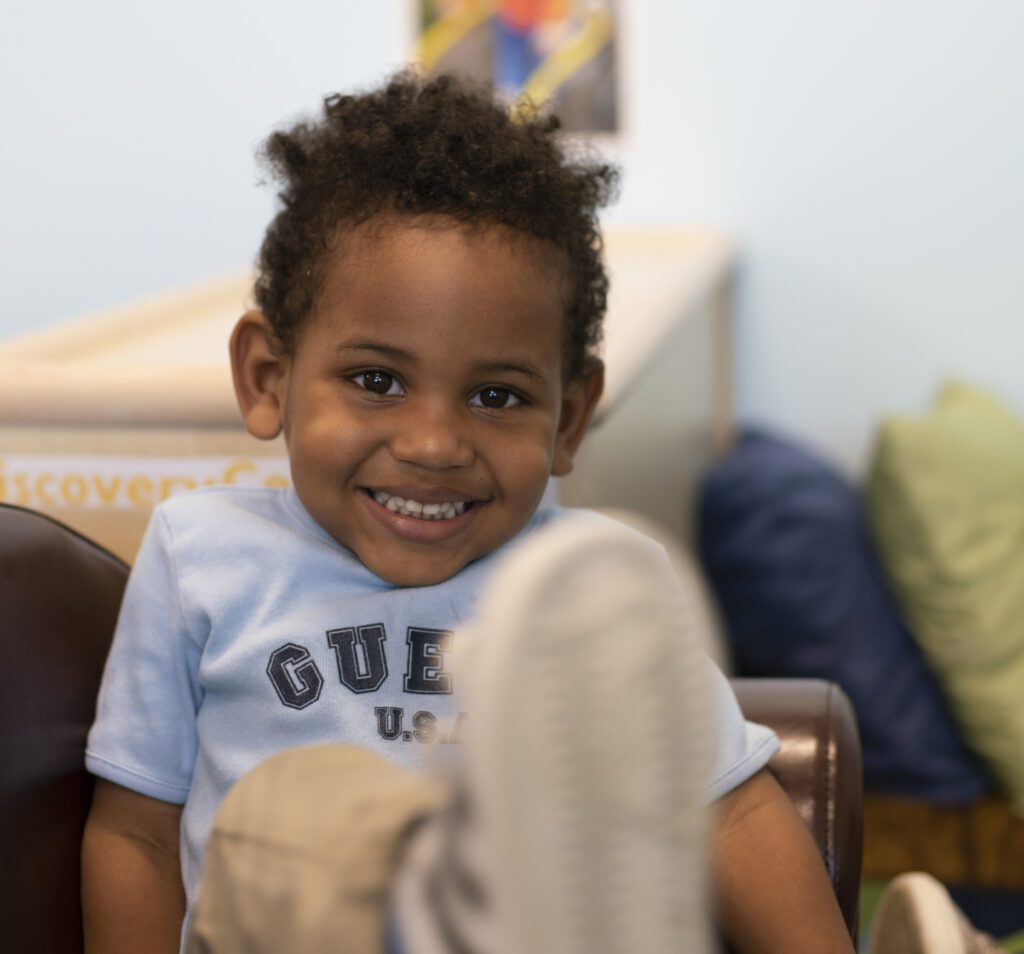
(302, 853)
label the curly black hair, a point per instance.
(431, 146)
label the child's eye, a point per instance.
(378, 382)
(495, 398)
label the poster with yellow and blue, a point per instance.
(557, 52)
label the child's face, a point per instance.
(428, 380)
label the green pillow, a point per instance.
(945, 501)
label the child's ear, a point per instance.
(260, 373)
(578, 402)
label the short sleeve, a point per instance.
(741, 748)
(144, 735)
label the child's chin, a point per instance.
(417, 572)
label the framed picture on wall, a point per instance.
(562, 52)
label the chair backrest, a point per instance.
(59, 597)
(819, 766)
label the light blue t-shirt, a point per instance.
(247, 629)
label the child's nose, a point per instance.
(432, 436)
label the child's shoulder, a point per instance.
(618, 525)
(203, 503)
(624, 522)
(236, 516)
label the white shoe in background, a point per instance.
(916, 915)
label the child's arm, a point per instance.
(771, 888)
(132, 894)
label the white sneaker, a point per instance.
(916, 915)
(582, 827)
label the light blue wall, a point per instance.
(868, 155)
(130, 129)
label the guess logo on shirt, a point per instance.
(362, 664)
(363, 667)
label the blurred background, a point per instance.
(866, 157)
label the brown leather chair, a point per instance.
(818, 765)
(59, 596)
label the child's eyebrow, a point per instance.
(388, 351)
(515, 367)
(523, 367)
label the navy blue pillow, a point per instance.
(784, 544)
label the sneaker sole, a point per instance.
(589, 692)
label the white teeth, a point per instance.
(413, 508)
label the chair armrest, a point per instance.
(819, 767)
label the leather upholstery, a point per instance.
(59, 596)
(818, 765)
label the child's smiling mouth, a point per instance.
(408, 507)
(449, 521)
(410, 511)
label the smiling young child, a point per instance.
(429, 305)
